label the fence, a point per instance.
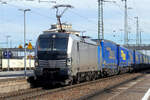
(13, 58)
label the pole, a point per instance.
(30, 56)
(102, 19)
(30, 60)
(8, 54)
(140, 37)
(125, 24)
(98, 19)
(137, 31)
(25, 43)
(11, 44)
(24, 11)
(100, 29)
(8, 67)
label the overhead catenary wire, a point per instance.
(83, 17)
(48, 17)
(53, 18)
(32, 11)
(36, 12)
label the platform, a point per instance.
(135, 90)
(15, 74)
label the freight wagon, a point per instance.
(123, 59)
(109, 57)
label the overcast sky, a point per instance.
(83, 17)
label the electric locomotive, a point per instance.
(64, 58)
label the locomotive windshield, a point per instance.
(53, 44)
(44, 44)
(60, 44)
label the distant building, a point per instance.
(66, 27)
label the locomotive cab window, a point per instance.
(60, 44)
(44, 44)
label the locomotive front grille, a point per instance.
(52, 63)
(43, 63)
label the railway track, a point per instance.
(12, 79)
(13, 84)
(69, 92)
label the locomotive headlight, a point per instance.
(69, 71)
(36, 64)
(54, 36)
(69, 61)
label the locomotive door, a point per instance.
(78, 56)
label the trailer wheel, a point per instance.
(105, 74)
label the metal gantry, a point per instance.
(125, 23)
(100, 20)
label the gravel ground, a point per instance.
(78, 92)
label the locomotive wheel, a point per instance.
(93, 76)
(71, 81)
(78, 79)
(87, 78)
